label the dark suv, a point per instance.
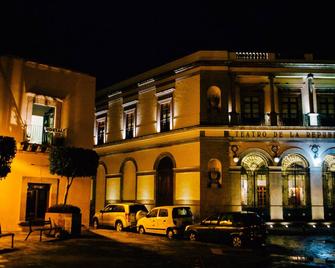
(237, 228)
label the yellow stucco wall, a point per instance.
(187, 102)
(19, 81)
(146, 113)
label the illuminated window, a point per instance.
(214, 98)
(129, 119)
(101, 131)
(130, 124)
(326, 109)
(165, 110)
(295, 186)
(165, 116)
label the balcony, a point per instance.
(40, 138)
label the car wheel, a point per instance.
(170, 234)
(95, 224)
(237, 242)
(119, 226)
(193, 236)
(141, 230)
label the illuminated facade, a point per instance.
(222, 131)
(42, 105)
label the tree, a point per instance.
(7, 153)
(72, 162)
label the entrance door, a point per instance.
(37, 200)
(164, 182)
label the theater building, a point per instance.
(40, 106)
(222, 131)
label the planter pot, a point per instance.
(71, 222)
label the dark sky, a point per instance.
(114, 40)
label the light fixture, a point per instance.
(275, 149)
(234, 149)
(315, 149)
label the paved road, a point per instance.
(108, 248)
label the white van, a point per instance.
(167, 220)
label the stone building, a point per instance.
(222, 131)
(41, 105)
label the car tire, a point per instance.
(193, 236)
(95, 224)
(169, 234)
(141, 230)
(119, 226)
(237, 241)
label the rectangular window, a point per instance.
(252, 110)
(326, 109)
(296, 186)
(290, 111)
(165, 116)
(100, 132)
(130, 124)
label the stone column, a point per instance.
(276, 193)
(235, 189)
(313, 116)
(232, 95)
(273, 114)
(316, 193)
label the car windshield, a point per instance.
(181, 212)
(135, 208)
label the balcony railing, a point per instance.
(38, 138)
(252, 56)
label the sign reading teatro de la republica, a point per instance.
(285, 134)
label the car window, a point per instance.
(226, 219)
(214, 219)
(163, 212)
(153, 213)
(135, 208)
(108, 208)
(181, 212)
(118, 208)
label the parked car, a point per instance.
(167, 220)
(120, 216)
(237, 228)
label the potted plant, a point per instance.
(66, 216)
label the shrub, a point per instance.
(7, 153)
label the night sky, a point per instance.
(114, 40)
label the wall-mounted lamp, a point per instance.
(315, 150)
(234, 149)
(275, 149)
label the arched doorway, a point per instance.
(164, 182)
(296, 188)
(328, 174)
(254, 184)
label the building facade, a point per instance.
(222, 131)
(40, 106)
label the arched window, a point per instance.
(214, 98)
(129, 181)
(296, 192)
(254, 184)
(329, 187)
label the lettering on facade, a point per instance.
(54, 130)
(283, 134)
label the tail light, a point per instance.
(127, 217)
